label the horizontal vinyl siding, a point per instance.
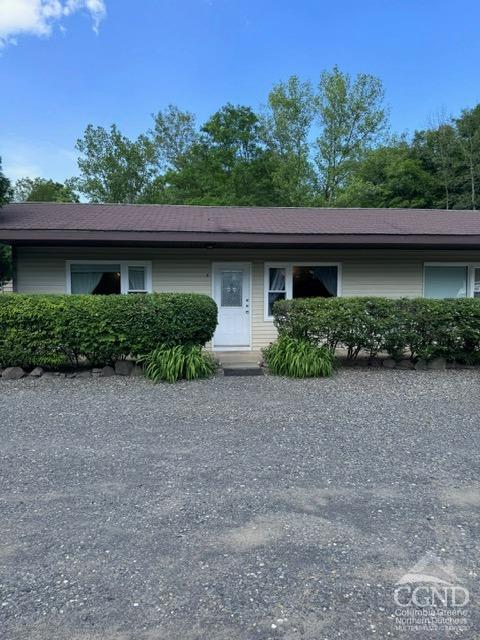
(394, 278)
(40, 271)
(364, 272)
(7, 287)
(44, 271)
(184, 276)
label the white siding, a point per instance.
(7, 287)
(364, 272)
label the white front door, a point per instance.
(231, 291)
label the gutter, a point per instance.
(200, 238)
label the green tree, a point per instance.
(468, 128)
(352, 118)
(288, 122)
(173, 135)
(308, 148)
(5, 251)
(228, 164)
(41, 190)
(389, 176)
(233, 138)
(438, 150)
(234, 130)
(5, 188)
(5, 263)
(114, 168)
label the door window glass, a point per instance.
(232, 294)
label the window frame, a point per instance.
(124, 265)
(288, 266)
(470, 266)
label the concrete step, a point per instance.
(242, 369)
(240, 363)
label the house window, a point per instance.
(451, 280)
(108, 277)
(476, 282)
(314, 282)
(137, 281)
(95, 278)
(301, 280)
(277, 283)
(446, 281)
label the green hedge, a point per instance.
(413, 328)
(51, 330)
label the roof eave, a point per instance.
(197, 238)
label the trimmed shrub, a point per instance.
(52, 330)
(299, 358)
(355, 324)
(414, 328)
(440, 328)
(182, 362)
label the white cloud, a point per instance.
(38, 17)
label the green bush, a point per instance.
(355, 324)
(182, 362)
(51, 330)
(299, 358)
(440, 328)
(414, 328)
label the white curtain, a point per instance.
(85, 277)
(85, 282)
(328, 276)
(277, 279)
(136, 279)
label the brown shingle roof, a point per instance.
(271, 220)
(45, 221)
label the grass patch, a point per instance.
(182, 362)
(297, 358)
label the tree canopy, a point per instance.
(324, 144)
(114, 168)
(296, 151)
(5, 251)
(352, 117)
(41, 190)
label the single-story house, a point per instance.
(246, 258)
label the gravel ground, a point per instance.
(234, 508)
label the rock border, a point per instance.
(436, 364)
(131, 369)
(121, 368)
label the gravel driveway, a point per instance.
(234, 508)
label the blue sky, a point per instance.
(104, 61)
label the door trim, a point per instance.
(250, 284)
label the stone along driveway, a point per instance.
(235, 508)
